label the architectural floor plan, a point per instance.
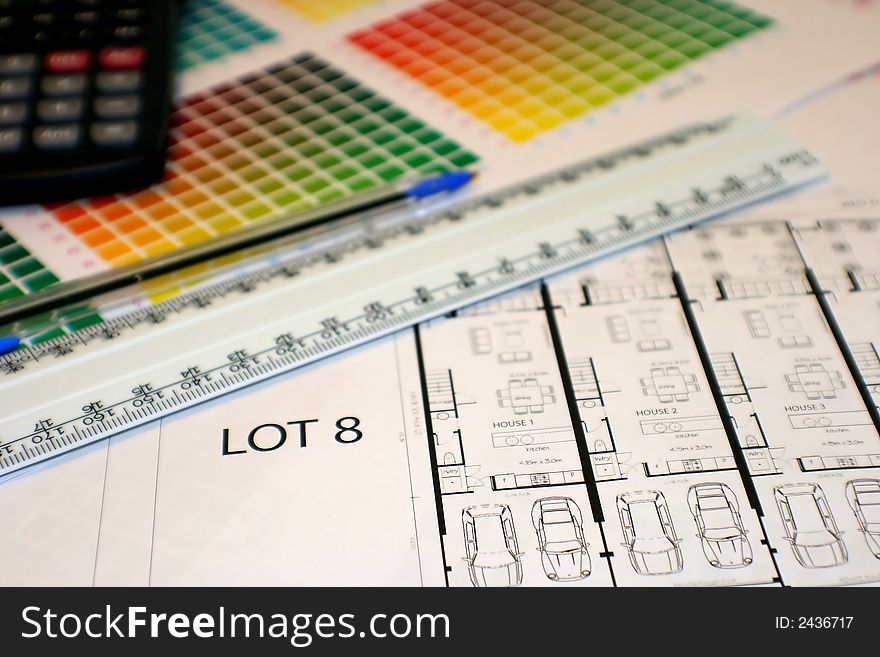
(700, 410)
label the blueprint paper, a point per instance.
(327, 512)
(162, 505)
(639, 419)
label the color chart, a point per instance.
(21, 273)
(320, 11)
(212, 29)
(526, 67)
(287, 138)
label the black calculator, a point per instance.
(85, 92)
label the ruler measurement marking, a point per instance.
(541, 259)
(552, 178)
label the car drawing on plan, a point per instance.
(863, 496)
(649, 535)
(721, 532)
(493, 555)
(810, 526)
(560, 527)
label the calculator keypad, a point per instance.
(63, 85)
(72, 76)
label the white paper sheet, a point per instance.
(594, 429)
(553, 426)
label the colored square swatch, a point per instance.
(284, 139)
(20, 272)
(525, 67)
(320, 11)
(212, 29)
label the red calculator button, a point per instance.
(68, 61)
(122, 58)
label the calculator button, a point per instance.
(87, 17)
(130, 14)
(118, 81)
(62, 109)
(13, 113)
(13, 88)
(122, 58)
(44, 35)
(45, 19)
(58, 136)
(68, 61)
(117, 107)
(128, 32)
(86, 34)
(10, 139)
(18, 64)
(121, 133)
(64, 85)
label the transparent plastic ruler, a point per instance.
(143, 365)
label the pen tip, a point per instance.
(9, 344)
(446, 182)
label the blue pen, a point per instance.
(383, 198)
(8, 345)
